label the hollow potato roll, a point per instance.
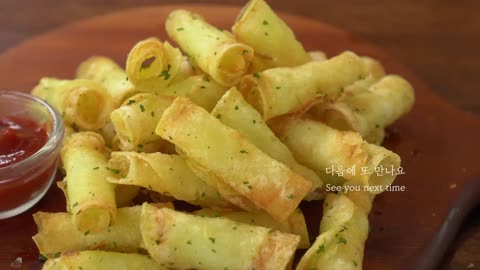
(184, 241)
(165, 174)
(233, 111)
(368, 112)
(285, 90)
(321, 147)
(213, 50)
(123, 236)
(136, 119)
(343, 232)
(82, 103)
(152, 65)
(227, 155)
(200, 89)
(89, 260)
(270, 37)
(295, 224)
(91, 198)
(108, 73)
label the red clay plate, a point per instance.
(437, 142)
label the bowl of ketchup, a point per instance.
(31, 133)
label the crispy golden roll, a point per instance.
(224, 189)
(184, 241)
(368, 112)
(152, 65)
(91, 198)
(374, 72)
(136, 119)
(233, 111)
(270, 37)
(295, 224)
(124, 194)
(99, 260)
(123, 236)
(83, 104)
(213, 50)
(343, 232)
(228, 156)
(105, 71)
(341, 153)
(284, 90)
(200, 89)
(165, 174)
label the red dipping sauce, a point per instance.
(19, 139)
(31, 133)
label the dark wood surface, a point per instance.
(436, 41)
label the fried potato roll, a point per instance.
(284, 90)
(213, 50)
(228, 156)
(105, 71)
(270, 37)
(136, 119)
(184, 241)
(123, 236)
(233, 111)
(83, 104)
(89, 260)
(323, 149)
(368, 112)
(343, 232)
(152, 65)
(165, 174)
(201, 89)
(91, 198)
(295, 224)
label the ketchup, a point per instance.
(19, 139)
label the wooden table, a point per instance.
(438, 40)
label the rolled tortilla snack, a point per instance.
(295, 224)
(233, 111)
(375, 72)
(213, 50)
(200, 89)
(369, 112)
(165, 174)
(184, 241)
(285, 90)
(136, 119)
(123, 236)
(270, 37)
(91, 198)
(83, 104)
(85, 260)
(105, 71)
(152, 65)
(224, 189)
(342, 153)
(343, 232)
(227, 155)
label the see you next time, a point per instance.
(374, 189)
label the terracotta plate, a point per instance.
(437, 142)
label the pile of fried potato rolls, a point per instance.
(237, 127)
